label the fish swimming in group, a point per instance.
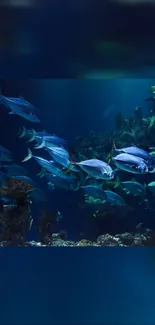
(5, 155)
(137, 152)
(81, 168)
(25, 179)
(49, 141)
(152, 153)
(14, 170)
(19, 106)
(130, 163)
(60, 155)
(38, 195)
(151, 187)
(65, 182)
(32, 135)
(49, 165)
(97, 169)
(133, 187)
(114, 198)
(95, 192)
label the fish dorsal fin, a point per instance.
(133, 180)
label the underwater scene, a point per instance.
(77, 162)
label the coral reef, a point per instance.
(147, 238)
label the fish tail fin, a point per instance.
(22, 132)
(32, 137)
(117, 184)
(40, 146)
(28, 157)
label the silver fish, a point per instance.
(151, 187)
(133, 187)
(135, 151)
(64, 182)
(50, 142)
(97, 168)
(49, 165)
(94, 191)
(130, 163)
(114, 198)
(32, 135)
(5, 155)
(19, 106)
(60, 155)
(14, 170)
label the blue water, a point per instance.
(77, 286)
(74, 286)
(69, 108)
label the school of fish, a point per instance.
(59, 169)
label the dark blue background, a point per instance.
(77, 286)
(59, 39)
